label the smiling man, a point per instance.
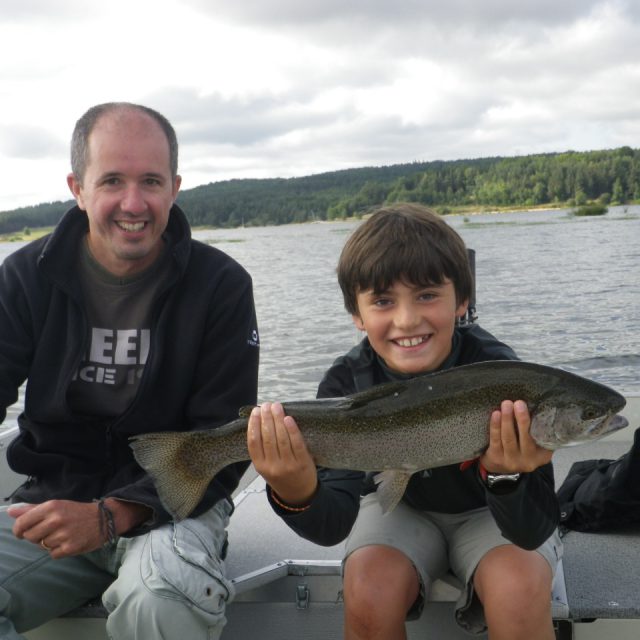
(122, 324)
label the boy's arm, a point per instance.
(319, 505)
(529, 513)
(526, 511)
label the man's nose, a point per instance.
(133, 200)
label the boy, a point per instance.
(405, 279)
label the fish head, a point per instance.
(573, 415)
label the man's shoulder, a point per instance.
(27, 256)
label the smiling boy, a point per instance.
(405, 279)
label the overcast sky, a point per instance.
(280, 88)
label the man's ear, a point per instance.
(176, 186)
(76, 189)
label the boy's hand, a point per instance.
(280, 455)
(511, 448)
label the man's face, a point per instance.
(127, 191)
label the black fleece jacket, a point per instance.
(202, 366)
(526, 516)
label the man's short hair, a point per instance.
(403, 242)
(86, 124)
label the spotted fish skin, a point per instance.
(396, 428)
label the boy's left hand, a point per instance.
(511, 447)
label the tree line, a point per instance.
(554, 179)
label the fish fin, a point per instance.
(391, 487)
(246, 410)
(162, 456)
(378, 392)
(541, 429)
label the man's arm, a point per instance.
(68, 528)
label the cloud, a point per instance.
(46, 11)
(265, 88)
(30, 142)
(292, 13)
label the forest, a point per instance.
(555, 179)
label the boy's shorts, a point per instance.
(436, 543)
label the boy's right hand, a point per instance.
(280, 455)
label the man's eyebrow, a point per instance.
(118, 174)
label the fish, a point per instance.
(396, 428)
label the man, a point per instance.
(121, 324)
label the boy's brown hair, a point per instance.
(403, 242)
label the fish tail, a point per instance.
(179, 486)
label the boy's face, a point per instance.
(410, 327)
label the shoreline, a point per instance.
(37, 232)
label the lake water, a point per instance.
(561, 290)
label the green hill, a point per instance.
(555, 179)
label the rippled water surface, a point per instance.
(559, 289)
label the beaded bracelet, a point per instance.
(107, 524)
(287, 507)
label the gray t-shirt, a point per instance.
(119, 313)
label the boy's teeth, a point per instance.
(131, 226)
(409, 342)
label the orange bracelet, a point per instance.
(286, 507)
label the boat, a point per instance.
(291, 589)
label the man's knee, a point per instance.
(171, 582)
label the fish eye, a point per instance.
(590, 413)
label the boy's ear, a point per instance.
(462, 309)
(357, 320)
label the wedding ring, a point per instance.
(43, 544)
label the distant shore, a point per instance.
(38, 232)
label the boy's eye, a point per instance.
(427, 295)
(381, 302)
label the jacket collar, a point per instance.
(58, 256)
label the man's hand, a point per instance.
(68, 528)
(280, 455)
(511, 447)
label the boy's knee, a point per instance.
(514, 579)
(379, 582)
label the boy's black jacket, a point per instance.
(527, 516)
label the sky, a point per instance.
(284, 88)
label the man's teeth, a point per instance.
(410, 342)
(131, 226)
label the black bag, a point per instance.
(602, 495)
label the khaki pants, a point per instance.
(166, 584)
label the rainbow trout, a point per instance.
(396, 428)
